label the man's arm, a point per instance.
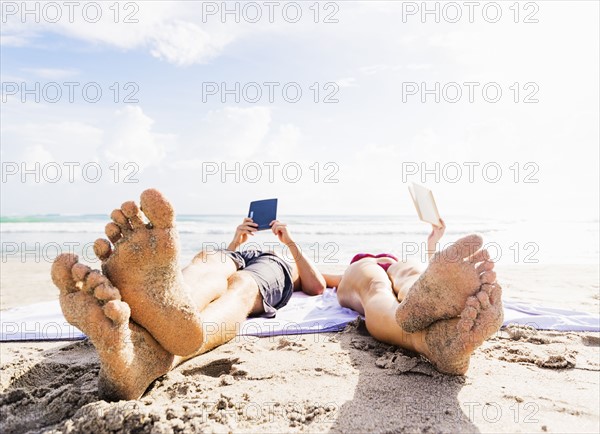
(311, 280)
(242, 232)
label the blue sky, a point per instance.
(367, 141)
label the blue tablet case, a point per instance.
(263, 212)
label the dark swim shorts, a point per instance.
(272, 274)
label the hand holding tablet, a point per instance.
(263, 212)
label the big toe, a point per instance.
(158, 209)
(461, 249)
(61, 272)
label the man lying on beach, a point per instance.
(145, 316)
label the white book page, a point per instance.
(425, 204)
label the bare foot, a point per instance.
(130, 358)
(453, 274)
(143, 265)
(450, 343)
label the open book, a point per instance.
(425, 204)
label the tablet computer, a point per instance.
(263, 212)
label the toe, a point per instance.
(158, 210)
(485, 266)
(463, 248)
(487, 288)
(102, 248)
(483, 299)
(92, 280)
(107, 292)
(117, 311)
(120, 220)
(113, 232)
(132, 212)
(465, 324)
(469, 312)
(472, 301)
(495, 294)
(79, 272)
(98, 284)
(61, 272)
(479, 256)
(488, 277)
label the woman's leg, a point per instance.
(367, 289)
(448, 344)
(403, 275)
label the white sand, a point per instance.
(519, 381)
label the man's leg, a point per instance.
(448, 344)
(223, 317)
(207, 276)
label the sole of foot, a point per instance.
(453, 275)
(143, 263)
(450, 343)
(130, 358)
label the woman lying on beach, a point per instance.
(145, 316)
(443, 312)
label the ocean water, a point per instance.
(327, 240)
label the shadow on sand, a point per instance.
(46, 389)
(413, 396)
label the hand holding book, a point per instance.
(428, 212)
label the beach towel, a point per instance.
(303, 314)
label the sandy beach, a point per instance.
(520, 380)
(379, 128)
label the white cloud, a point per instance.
(132, 139)
(236, 132)
(456, 40)
(65, 140)
(381, 67)
(13, 40)
(183, 43)
(52, 73)
(169, 31)
(284, 142)
(50, 145)
(346, 82)
(418, 66)
(37, 154)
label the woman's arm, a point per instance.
(436, 234)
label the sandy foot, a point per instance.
(130, 358)
(143, 265)
(453, 275)
(450, 343)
